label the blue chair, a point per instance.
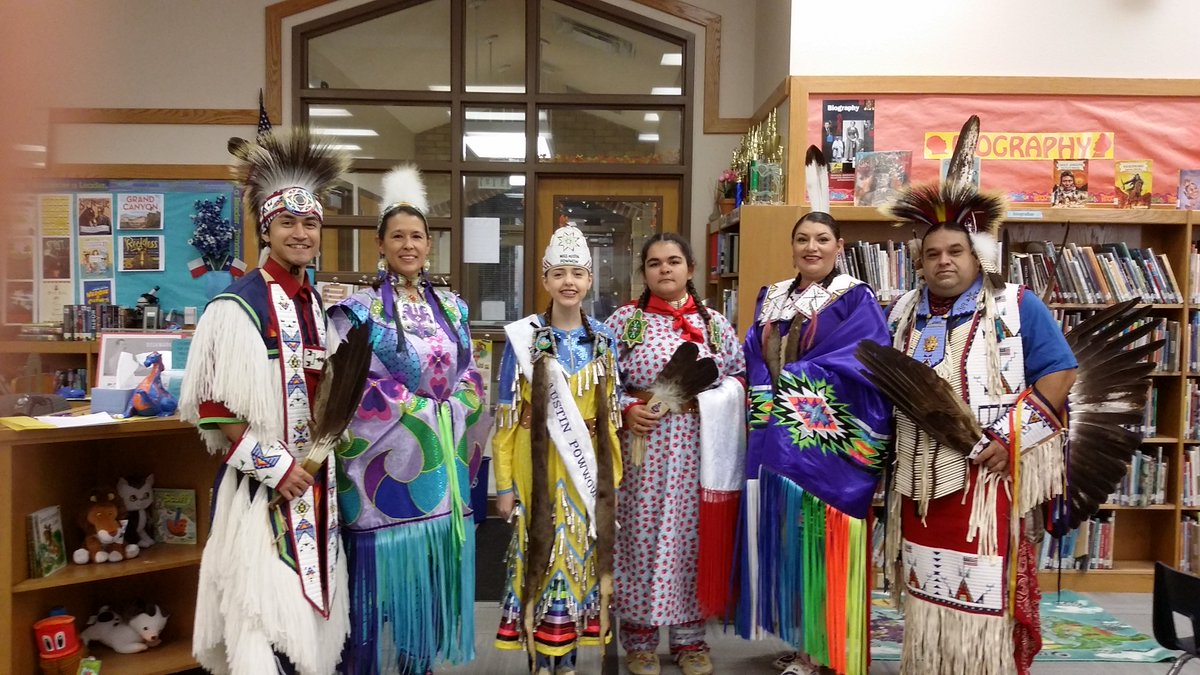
(1176, 592)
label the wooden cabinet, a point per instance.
(43, 468)
(1142, 535)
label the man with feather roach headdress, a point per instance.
(272, 594)
(957, 541)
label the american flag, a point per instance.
(264, 122)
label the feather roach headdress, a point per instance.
(286, 171)
(957, 201)
(403, 186)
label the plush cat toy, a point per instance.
(138, 494)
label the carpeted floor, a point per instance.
(1074, 628)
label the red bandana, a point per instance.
(691, 333)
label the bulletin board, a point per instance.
(108, 242)
(1022, 135)
(1026, 124)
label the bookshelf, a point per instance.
(1142, 534)
(52, 355)
(49, 467)
(723, 263)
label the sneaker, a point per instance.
(694, 663)
(784, 661)
(642, 663)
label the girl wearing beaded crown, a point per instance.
(557, 466)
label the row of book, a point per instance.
(1087, 547)
(1166, 358)
(886, 267)
(1194, 274)
(1145, 482)
(723, 251)
(729, 300)
(1194, 343)
(1191, 476)
(85, 322)
(1094, 274)
(1192, 395)
(1189, 549)
(1149, 424)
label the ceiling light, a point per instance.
(517, 180)
(343, 146)
(648, 138)
(671, 59)
(21, 147)
(650, 117)
(495, 116)
(328, 112)
(483, 88)
(666, 91)
(344, 132)
(543, 115)
(502, 144)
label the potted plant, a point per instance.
(726, 190)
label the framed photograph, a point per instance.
(142, 253)
(93, 214)
(122, 357)
(139, 212)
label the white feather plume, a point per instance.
(987, 249)
(403, 185)
(816, 179)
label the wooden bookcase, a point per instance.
(54, 355)
(1142, 535)
(43, 468)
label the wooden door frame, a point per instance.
(592, 187)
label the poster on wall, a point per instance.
(52, 296)
(24, 215)
(93, 214)
(142, 253)
(98, 292)
(96, 257)
(848, 128)
(54, 215)
(20, 258)
(56, 258)
(139, 212)
(18, 304)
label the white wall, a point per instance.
(1075, 38)
(772, 42)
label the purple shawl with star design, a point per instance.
(821, 424)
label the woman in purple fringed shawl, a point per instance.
(817, 442)
(404, 477)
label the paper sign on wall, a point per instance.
(481, 240)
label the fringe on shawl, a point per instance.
(413, 592)
(228, 362)
(809, 586)
(250, 603)
(939, 640)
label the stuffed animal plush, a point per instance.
(142, 631)
(137, 494)
(101, 523)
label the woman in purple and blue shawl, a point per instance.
(819, 433)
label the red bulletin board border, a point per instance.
(1164, 129)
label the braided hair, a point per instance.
(686, 249)
(426, 287)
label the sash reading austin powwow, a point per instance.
(568, 430)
